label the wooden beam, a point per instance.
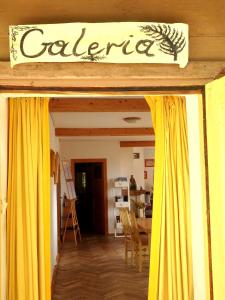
(137, 144)
(98, 105)
(221, 74)
(63, 77)
(103, 131)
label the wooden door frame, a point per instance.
(59, 223)
(208, 209)
(128, 89)
(68, 77)
(105, 184)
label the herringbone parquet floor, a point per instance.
(96, 270)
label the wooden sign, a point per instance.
(126, 42)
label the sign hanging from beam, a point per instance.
(125, 42)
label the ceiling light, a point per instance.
(131, 119)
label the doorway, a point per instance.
(74, 171)
(90, 181)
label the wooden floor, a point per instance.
(96, 270)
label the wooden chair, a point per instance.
(140, 242)
(128, 242)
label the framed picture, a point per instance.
(149, 162)
(67, 169)
(136, 155)
(145, 175)
(71, 194)
(56, 173)
(52, 163)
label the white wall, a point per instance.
(126, 161)
(120, 162)
(54, 145)
(149, 153)
(110, 150)
(3, 191)
(129, 165)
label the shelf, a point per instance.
(122, 200)
(121, 184)
(119, 225)
(119, 235)
(137, 192)
(122, 204)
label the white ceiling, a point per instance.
(99, 119)
(102, 120)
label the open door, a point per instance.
(89, 183)
(91, 189)
(215, 129)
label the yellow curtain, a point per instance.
(215, 120)
(28, 215)
(3, 191)
(171, 261)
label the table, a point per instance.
(137, 193)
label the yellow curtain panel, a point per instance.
(171, 260)
(28, 215)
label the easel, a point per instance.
(70, 203)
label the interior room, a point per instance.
(118, 150)
(100, 145)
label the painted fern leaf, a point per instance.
(93, 57)
(170, 40)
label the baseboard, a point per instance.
(55, 273)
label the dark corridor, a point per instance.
(89, 185)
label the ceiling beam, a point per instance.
(103, 131)
(98, 105)
(137, 143)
